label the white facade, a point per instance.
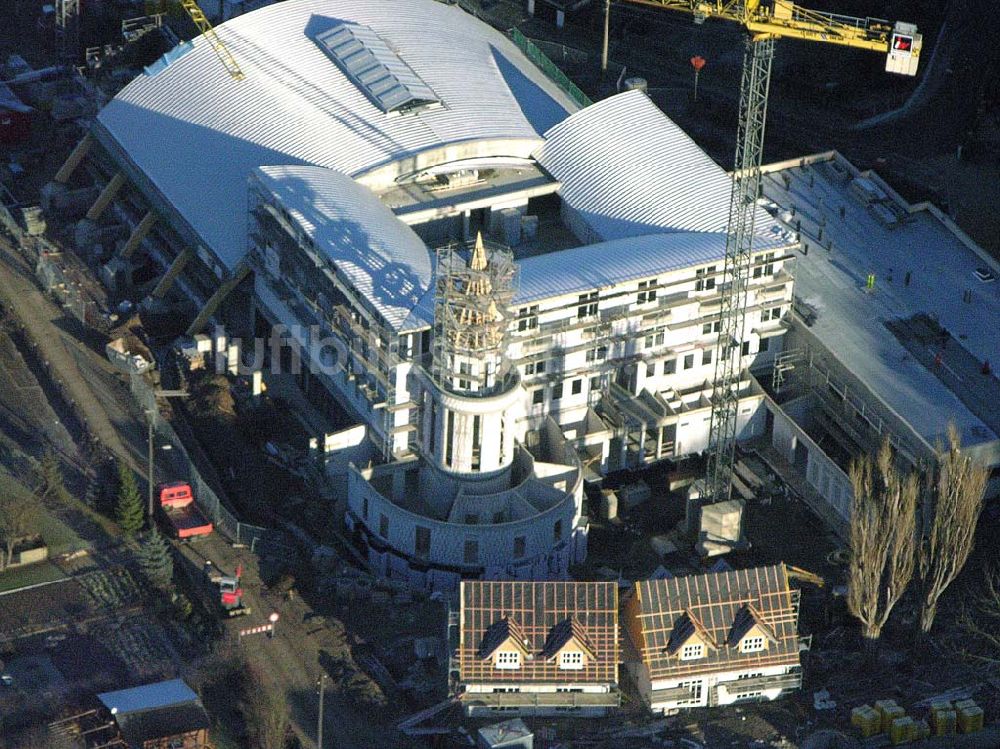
(759, 684)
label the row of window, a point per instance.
(570, 660)
(576, 388)
(587, 304)
(470, 552)
(695, 650)
(669, 368)
(656, 338)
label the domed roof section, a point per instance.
(197, 134)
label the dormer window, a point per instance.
(507, 659)
(692, 651)
(750, 632)
(571, 660)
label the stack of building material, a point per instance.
(721, 528)
(901, 730)
(969, 716)
(609, 505)
(867, 720)
(633, 495)
(888, 711)
(511, 734)
(944, 722)
(921, 730)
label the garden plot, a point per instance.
(29, 611)
(112, 589)
(142, 645)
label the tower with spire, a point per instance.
(474, 397)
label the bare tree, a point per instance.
(980, 622)
(17, 520)
(957, 497)
(264, 708)
(883, 540)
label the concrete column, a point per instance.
(560, 19)
(107, 195)
(172, 273)
(73, 160)
(531, 11)
(138, 234)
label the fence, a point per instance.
(42, 255)
(533, 53)
(206, 498)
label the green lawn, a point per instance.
(43, 572)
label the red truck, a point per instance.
(178, 507)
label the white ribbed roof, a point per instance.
(629, 170)
(197, 134)
(605, 264)
(388, 265)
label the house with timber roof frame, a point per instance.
(713, 639)
(538, 648)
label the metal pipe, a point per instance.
(604, 45)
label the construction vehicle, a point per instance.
(230, 593)
(182, 515)
(765, 21)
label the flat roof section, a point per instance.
(920, 267)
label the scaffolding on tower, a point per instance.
(471, 318)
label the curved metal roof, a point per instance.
(388, 265)
(197, 134)
(628, 170)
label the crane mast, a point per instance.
(757, 58)
(765, 21)
(221, 50)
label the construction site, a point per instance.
(476, 388)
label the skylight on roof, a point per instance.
(376, 69)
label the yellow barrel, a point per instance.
(900, 730)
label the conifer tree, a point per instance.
(128, 511)
(155, 560)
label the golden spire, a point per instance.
(479, 285)
(478, 259)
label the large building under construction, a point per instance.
(524, 286)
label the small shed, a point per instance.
(511, 734)
(167, 713)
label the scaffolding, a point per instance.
(471, 318)
(68, 29)
(373, 349)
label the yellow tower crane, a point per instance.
(766, 21)
(205, 27)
